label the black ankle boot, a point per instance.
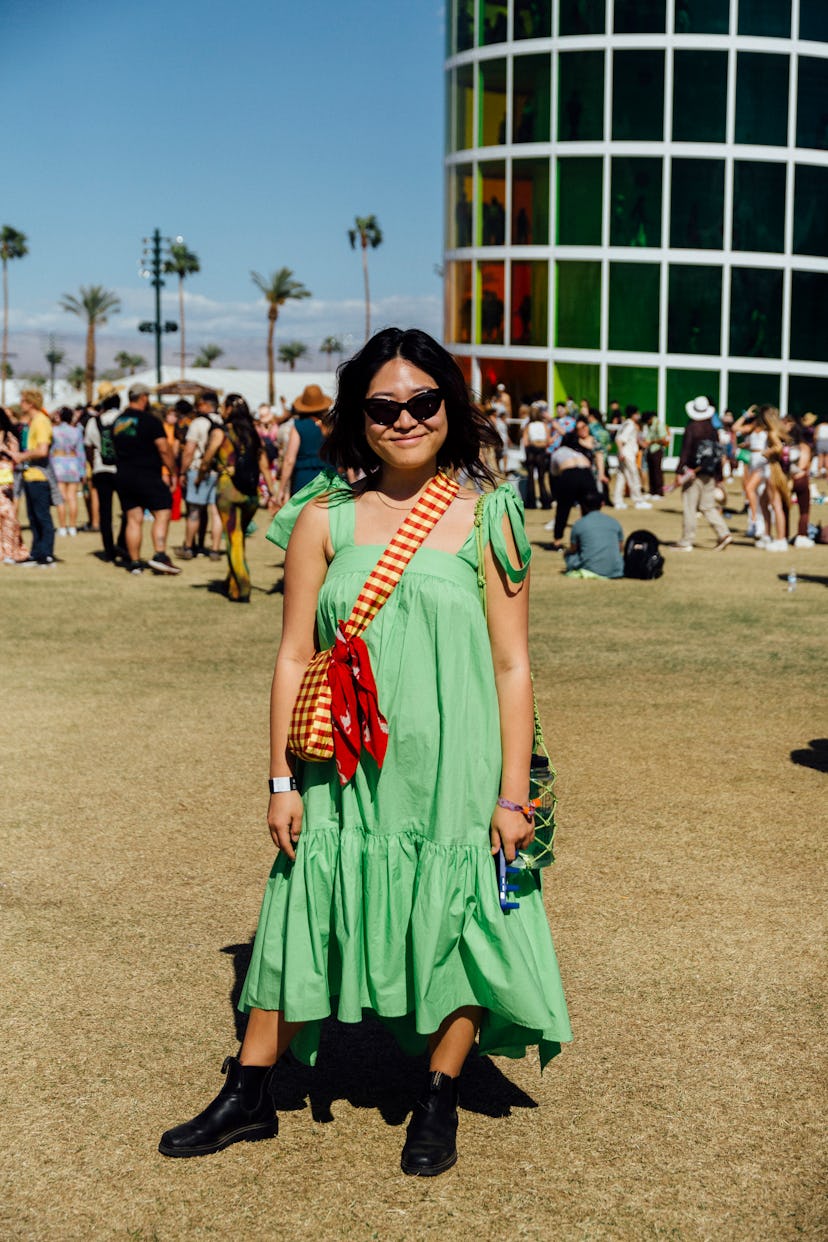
(242, 1111)
(430, 1146)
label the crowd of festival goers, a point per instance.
(215, 463)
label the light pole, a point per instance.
(152, 263)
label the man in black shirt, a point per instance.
(141, 449)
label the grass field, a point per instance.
(687, 720)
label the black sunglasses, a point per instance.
(424, 405)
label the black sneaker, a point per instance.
(135, 567)
(161, 564)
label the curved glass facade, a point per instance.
(637, 200)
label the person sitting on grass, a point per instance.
(597, 543)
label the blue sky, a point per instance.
(256, 130)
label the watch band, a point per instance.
(281, 784)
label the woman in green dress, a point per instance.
(383, 896)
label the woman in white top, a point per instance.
(756, 474)
(535, 441)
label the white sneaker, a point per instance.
(61, 531)
(621, 506)
(643, 504)
(762, 541)
(682, 547)
(802, 541)
(776, 545)
(73, 530)
(550, 525)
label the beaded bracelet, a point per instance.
(527, 809)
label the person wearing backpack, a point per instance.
(302, 461)
(100, 453)
(237, 455)
(699, 467)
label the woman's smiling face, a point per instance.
(407, 443)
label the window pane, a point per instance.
(530, 304)
(580, 192)
(812, 104)
(577, 380)
(491, 198)
(578, 305)
(463, 108)
(755, 313)
(697, 204)
(638, 95)
(581, 17)
(699, 96)
(764, 228)
(492, 103)
(702, 16)
(762, 99)
(639, 17)
(581, 96)
(491, 293)
(810, 212)
(530, 109)
(636, 201)
(684, 386)
(765, 17)
(460, 206)
(465, 24)
(533, 19)
(458, 302)
(808, 392)
(633, 309)
(813, 20)
(744, 390)
(633, 386)
(809, 338)
(694, 310)
(530, 202)
(493, 19)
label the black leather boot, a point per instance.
(243, 1111)
(430, 1145)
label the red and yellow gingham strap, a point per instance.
(389, 568)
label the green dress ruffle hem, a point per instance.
(391, 905)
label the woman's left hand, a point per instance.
(511, 830)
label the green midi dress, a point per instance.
(391, 905)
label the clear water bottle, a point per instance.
(792, 581)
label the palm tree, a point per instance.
(76, 377)
(368, 231)
(208, 355)
(291, 351)
(54, 357)
(126, 361)
(331, 345)
(95, 304)
(181, 263)
(278, 288)
(12, 246)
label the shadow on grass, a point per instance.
(816, 757)
(364, 1065)
(819, 579)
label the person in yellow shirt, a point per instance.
(34, 456)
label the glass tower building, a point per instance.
(637, 200)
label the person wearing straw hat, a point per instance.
(302, 461)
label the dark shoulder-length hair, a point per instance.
(469, 431)
(237, 415)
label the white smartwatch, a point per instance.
(281, 784)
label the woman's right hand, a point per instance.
(284, 819)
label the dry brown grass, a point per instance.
(686, 904)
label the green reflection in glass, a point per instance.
(460, 206)
(810, 214)
(771, 18)
(745, 390)
(582, 17)
(465, 24)
(697, 204)
(755, 312)
(758, 206)
(694, 315)
(686, 385)
(530, 202)
(580, 96)
(578, 304)
(533, 19)
(492, 103)
(638, 95)
(808, 393)
(579, 201)
(577, 380)
(464, 108)
(530, 304)
(812, 103)
(491, 198)
(813, 20)
(809, 339)
(699, 96)
(762, 99)
(633, 307)
(531, 101)
(702, 16)
(635, 218)
(639, 17)
(633, 386)
(493, 21)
